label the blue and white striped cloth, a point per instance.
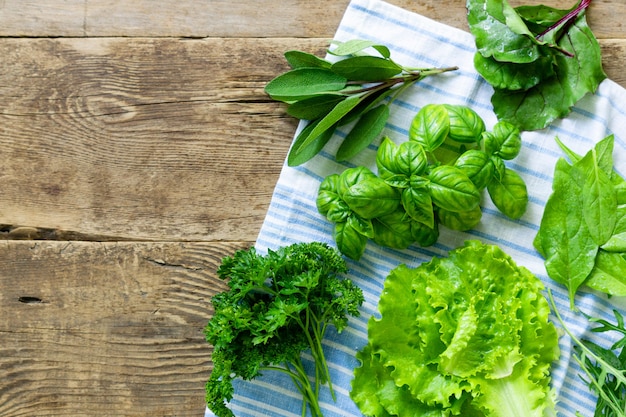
(292, 216)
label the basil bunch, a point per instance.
(358, 88)
(435, 178)
(540, 60)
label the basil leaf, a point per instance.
(411, 159)
(352, 176)
(430, 126)
(608, 274)
(314, 107)
(367, 128)
(349, 241)
(299, 153)
(372, 197)
(360, 225)
(494, 38)
(477, 166)
(392, 230)
(617, 243)
(452, 190)
(460, 220)
(302, 83)
(329, 203)
(509, 194)
(424, 235)
(504, 141)
(418, 204)
(386, 158)
(466, 125)
(354, 46)
(366, 68)
(299, 59)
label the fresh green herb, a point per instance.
(277, 307)
(463, 335)
(435, 178)
(583, 228)
(358, 88)
(604, 369)
(540, 60)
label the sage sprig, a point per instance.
(359, 87)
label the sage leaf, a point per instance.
(301, 83)
(452, 190)
(509, 194)
(355, 46)
(300, 153)
(466, 125)
(608, 274)
(366, 68)
(430, 126)
(300, 59)
(314, 107)
(330, 120)
(367, 128)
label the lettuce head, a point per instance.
(463, 335)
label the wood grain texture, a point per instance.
(137, 149)
(108, 329)
(237, 18)
(149, 139)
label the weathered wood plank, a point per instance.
(237, 18)
(107, 328)
(149, 139)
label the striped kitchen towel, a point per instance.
(293, 217)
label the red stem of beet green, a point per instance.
(567, 18)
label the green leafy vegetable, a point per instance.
(582, 229)
(540, 60)
(463, 335)
(425, 181)
(604, 369)
(277, 307)
(358, 87)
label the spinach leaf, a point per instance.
(581, 235)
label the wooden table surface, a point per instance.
(137, 148)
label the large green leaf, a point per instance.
(301, 83)
(494, 38)
(364, 132)
(452, 190)
(554, 97)
(509, 194)
(366, 68)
